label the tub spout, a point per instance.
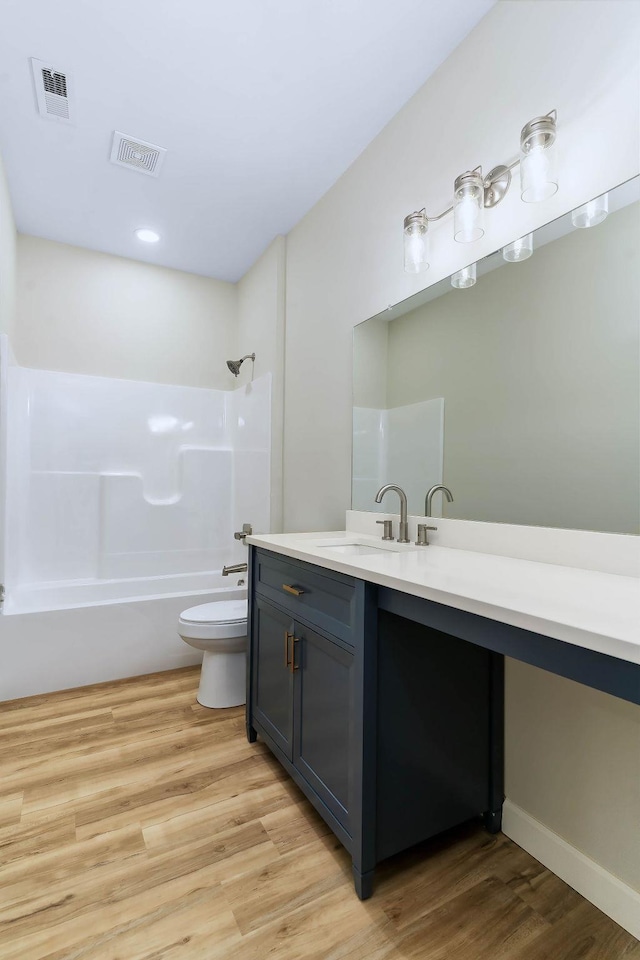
(234, 568)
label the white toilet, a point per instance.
(220, 629)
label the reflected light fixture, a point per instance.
(592, 213)
(474, 192)
(416, 242)
(147, 235)
(464, 278)
(518, 250)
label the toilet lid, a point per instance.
(221, 611)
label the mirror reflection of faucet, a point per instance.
(430, 494)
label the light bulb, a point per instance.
(538, 177)
(468, 207)
(416, 242)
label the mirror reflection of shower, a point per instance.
(234, 365)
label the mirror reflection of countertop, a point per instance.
(597, 611)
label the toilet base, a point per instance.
(223, 680)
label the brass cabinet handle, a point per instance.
(293, 665)
(296, 591)
(287, 656)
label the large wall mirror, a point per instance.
(520, 393)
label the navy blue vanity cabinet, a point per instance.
(393, 730)
(272, 679)
(324, 701)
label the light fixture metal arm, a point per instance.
(496, 182)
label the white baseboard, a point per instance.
(609, 894)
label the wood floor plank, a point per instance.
(58, 901)
(291, 829)
(486, 922)
(20, 879)
(297, 878)
(10, 809)
(33, 731)
(214, 818)
(34, 835)
(95, 696)
(582, 934)
(173, 796)
(49, 783)
(328, 927)
(136, 824)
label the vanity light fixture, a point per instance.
(147, 235)
(592, 213)
(518, 250)
(473, 192)
(416, 242)
(464, 278)
(468, 206)
(538, 177)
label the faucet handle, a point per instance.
(387, 529)
(244, 533)
(423, 538)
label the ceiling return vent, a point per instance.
(53, 91)
(137, 154)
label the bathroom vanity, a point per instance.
(380, 690)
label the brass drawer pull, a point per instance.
(287, 656)
(296, 591)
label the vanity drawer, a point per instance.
(326, 600)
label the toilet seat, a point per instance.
(222, 619)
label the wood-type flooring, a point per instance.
(137, 825)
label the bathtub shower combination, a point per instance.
(125, 494)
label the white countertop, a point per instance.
(597, 611)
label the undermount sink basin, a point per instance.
(358, 548)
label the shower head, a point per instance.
(234, 365)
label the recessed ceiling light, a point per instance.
(148, 236)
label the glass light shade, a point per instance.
(468, 207)
(464, 278)
(416, 243)
(518, 250)
(592, 213)
(538, 176)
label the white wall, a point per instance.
(344, 259)
(85, 312)
(7, 258)
(344, 263)
(260, 329)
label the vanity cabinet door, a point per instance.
(272, 676)
(323, 715)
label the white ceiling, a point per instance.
(261, 104)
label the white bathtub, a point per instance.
(83, 632)
(69, 594)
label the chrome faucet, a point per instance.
(403, 529)
(234, 568)
(430, 495)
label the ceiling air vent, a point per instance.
(137, 154)
(53, 91)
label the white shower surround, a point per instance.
(120, 502)
(403, 445)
